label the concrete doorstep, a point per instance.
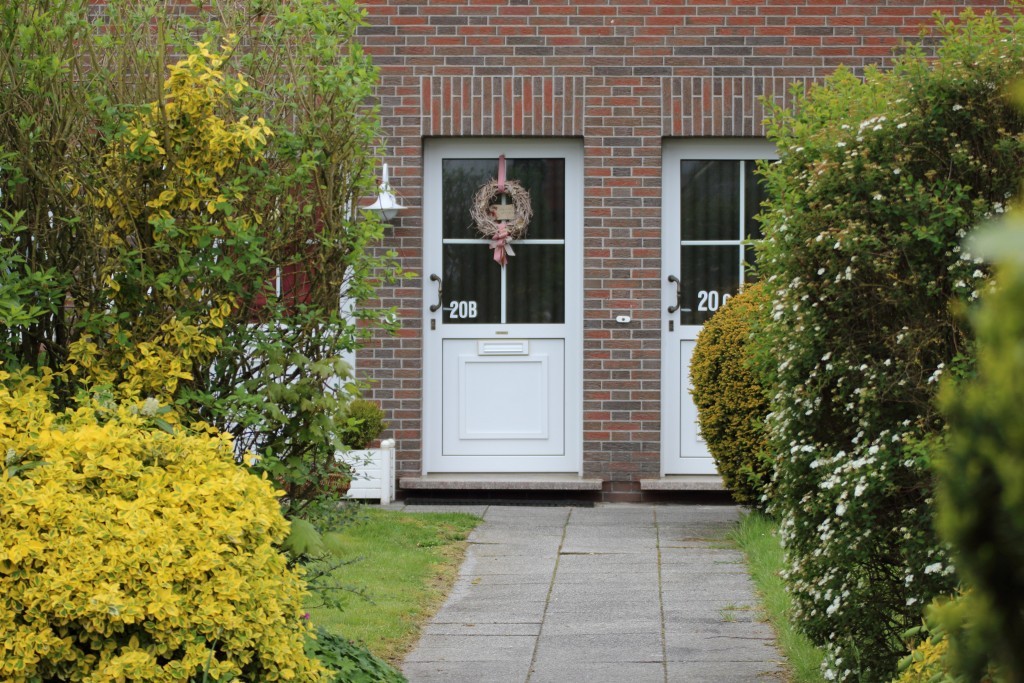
(613, 593)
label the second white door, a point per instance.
(710, 197)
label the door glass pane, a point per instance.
(709, 195)
(755, 194)
(460, 180)
(536, 284)
(544, 179)
(709, 275)
(472, 284)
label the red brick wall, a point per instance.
(622, 76)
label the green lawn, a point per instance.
(757, 535)
(402, 566)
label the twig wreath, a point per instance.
(495, 222)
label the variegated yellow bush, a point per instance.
(131, 553)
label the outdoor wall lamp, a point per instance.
(386, 206)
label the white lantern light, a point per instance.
(386, 206)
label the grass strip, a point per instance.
(757, 535)
(401, 568)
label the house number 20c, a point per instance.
(462, 310)
(709, 300)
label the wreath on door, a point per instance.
(501, 212)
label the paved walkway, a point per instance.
(615, 593)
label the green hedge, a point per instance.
(877, 183)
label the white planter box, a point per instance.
(373, 472)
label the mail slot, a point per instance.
(503, 347)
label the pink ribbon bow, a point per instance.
(501, 244)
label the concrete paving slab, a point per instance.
(495, 535)
(596, 544)
(607, 561)
(733, 672)
(473, 629)
(732, 652)
(573, 624)
(513, 564)
(488, 611)
(474, 590)
(602, 647)
(460, 648)
(751, 629)
(604, 672)
(478, 672)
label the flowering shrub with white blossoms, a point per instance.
(877, 183)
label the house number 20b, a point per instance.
(462, 310)
(709, 300)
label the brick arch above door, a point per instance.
(502, 105)
(677, 106)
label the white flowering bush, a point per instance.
(877, 183)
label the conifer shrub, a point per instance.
(133, 550)
(877, 183)
(731, 403)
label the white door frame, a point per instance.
(675, 396)
(435, 330)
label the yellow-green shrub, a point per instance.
(932, 657)
(731, 404)
(131, 553)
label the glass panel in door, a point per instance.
(530, 288)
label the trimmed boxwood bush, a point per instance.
(877, 183)
(731, 403)
(364, 424)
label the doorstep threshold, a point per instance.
(461, 481)
(684, 482)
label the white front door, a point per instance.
(710, 196)
(503, 345)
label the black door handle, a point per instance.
(679, 294)
(440, 291)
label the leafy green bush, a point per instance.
(878, 182)
(981, 484)
(365, 423)
(131, 550)
(731, 403)
(188, 233)
(349, 662)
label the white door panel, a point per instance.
(503, 405)
(691, 444)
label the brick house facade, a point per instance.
(633, 86)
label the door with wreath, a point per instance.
(503, 305)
